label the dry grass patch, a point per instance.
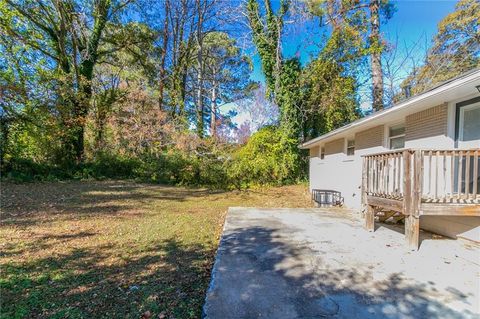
(114, 249)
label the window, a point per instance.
(350, 147)
(322, 152)
(469, 119)
(396, 137)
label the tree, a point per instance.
(226, 73)
(352, 38)
(329, 98)
(375, 55)
(281, 76)
(455, 49)
(289, 98)
(304, 97)
(267, 36)
(162, 74)
(72, 37)
(176, 25)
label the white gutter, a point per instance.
(452, 84)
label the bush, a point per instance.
(108, 166)
(269, 157)
(25, 170)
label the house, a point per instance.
(419, 159)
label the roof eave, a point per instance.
(464, 78)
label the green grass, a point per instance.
(114, 249)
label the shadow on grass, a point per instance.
(41, 243)
(260, 273)
(86, 283)
(26, 206)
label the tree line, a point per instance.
(123, 88)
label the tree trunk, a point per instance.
(199, 97)
(376, 50)
(213, 109)
(163, 71)
(4, 130)
(80, 114)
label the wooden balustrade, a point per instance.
(384, 174)
(442, 175)
(421, 182)
(451, 175)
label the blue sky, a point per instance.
(413, 21)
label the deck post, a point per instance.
(417, 189)
(412, 207)
(370, 218)
(407, 183)
(412, 231)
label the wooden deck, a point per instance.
(413, 183)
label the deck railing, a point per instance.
(450, 174)
(384, 173)
(420, 182)
(427, 175)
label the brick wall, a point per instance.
(428, 123)
(334, 147)
(369, 138)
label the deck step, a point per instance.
(390, 216)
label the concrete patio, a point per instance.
(317, 263)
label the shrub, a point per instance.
(269, 157)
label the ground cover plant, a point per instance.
(115, 249)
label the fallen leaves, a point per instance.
(115, 249)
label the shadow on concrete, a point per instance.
(260, 273)
(400, 228)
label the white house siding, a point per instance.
(341, 172)
(337, 172)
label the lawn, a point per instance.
(114, 249)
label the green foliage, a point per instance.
(206, 166)
(62, 43)
(105, 166)
(269, 157)
(321, 96)
(289, 98)
(329, 97)
(455, 49)
(266, 36)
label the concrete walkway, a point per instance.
(314, 263)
